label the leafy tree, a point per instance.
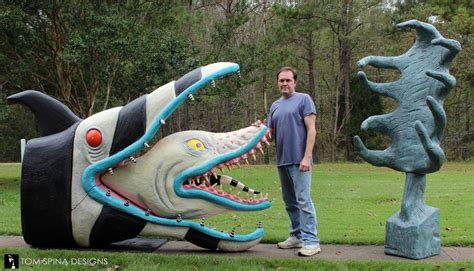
(90, 55)
(77, 51)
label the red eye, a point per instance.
(94, 138)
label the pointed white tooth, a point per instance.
(133, 159)
(162, 121)
(222, 170)
(238, 74)
(268, 143)
(261, 150)
(146, 145)
(247, 161)
(191, 97)
(254, 157)
(214, 174)
(111, 171)
(214, 185)
(207, 179)
(238, 165)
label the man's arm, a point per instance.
(310, 122)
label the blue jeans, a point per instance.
(296, 191)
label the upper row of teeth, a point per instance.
(232, 163)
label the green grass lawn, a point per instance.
(353, 201)
(10, 220)
(151, 261)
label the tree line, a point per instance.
(94, 55)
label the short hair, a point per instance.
(288, 68)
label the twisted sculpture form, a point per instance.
(415, 129)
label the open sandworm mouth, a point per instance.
(201, 181)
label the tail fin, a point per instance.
(51, 115)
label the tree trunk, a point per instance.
(62, 70)
(265, 110)
(335, 105)
(185, 118)
(310, 61)
(219, 115)
(228, 114)
(346, 19)
(311, 83)
(467, 126)
(208, 116)
(253, 107)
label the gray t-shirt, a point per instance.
(286, 117)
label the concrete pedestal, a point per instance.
(414, 231)
(415, 239)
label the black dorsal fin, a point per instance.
(52, 116)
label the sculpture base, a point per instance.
(416, 238)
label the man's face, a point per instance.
(286, 83)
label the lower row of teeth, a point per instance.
(252, 197)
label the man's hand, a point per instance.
(305, 164)
(259, 122)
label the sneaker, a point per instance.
(309, 250)
(291, 242)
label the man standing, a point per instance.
(292, 121)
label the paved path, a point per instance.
(329, 252)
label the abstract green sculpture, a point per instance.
(415, 129)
